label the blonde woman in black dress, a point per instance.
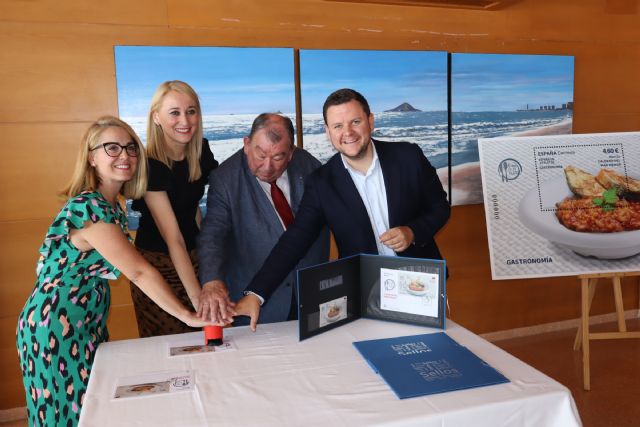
(179, 164)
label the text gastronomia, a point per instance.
(545, 260)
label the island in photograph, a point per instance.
(492, 95)
(406, 91)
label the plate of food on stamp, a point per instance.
(595, 214)
(417, 288)
(333, 313)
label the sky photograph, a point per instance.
(493, 82)
(385, 78)
(228, 80)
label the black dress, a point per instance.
(184, 197)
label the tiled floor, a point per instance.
(615, 373)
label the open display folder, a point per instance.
(408, 290)
(418, 365)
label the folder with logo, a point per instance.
(419, 365)
(397, 289)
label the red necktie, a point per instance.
(281, 204)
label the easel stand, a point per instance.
(588, 288)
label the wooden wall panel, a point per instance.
(42, 160)
(120, 291)
(56, 73)
(12, 390)
(122, 323)
(18, 258)
(608, 78)
(607, 122)
(545, 22)
(141, 12)
(574, 20)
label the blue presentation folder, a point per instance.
(418, 365)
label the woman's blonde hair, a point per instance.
(156, 145)
(85, 177)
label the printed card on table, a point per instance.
(190, 347)
(154, 384)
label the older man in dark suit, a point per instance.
(253, 197)
(376, 197)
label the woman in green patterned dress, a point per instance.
(64, 319)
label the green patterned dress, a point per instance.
(64, 319)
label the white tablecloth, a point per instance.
(274, 380)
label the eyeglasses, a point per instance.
(113, 149)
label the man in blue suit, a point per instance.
(376, 197)
(242, 223)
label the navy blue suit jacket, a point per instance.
(415, 198)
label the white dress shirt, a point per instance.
(373, 193)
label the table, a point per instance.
(274, 380)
